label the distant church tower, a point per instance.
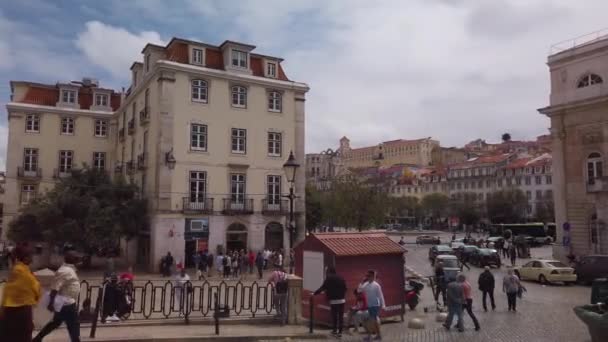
(344, 144)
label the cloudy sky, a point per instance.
(455, 70)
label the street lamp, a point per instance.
(290, 167)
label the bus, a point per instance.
(539, 232)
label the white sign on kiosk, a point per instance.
(313, 270)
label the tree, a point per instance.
(435, 205)
(314, 214)
(465, 207)
(545, 212)
(86, 210)
(507, 206)
(407, 206)
(506, 137)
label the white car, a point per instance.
(546, 271)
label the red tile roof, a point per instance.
(48, 95)
(518, 163)
(350, 244)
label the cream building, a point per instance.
(413, 152)
(577, 109)
(204, 131)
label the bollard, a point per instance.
(216, 315)
(311, 316)
(98, 302)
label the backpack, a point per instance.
(281, 286)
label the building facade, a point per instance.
(204, 131)
(579, 126)
(388, 153)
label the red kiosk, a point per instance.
(352, 254)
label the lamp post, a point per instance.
(290, 167)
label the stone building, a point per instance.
(323, 168)
(414, 152)
(578, 110)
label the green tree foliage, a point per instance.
(407, 206)
(87, 210)
(507, 206)
(314, 214)
(435, 206)
(465, 207)
(506, 137)
(545, 212)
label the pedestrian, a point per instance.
(468, 296)
(292, 261)
(112, 294)
(244, 264)
(486, 286)
(219, 264)
(513, 254)
(251, 257)
(235, 266)
(456, 302)
(209, 264)
(266, 257)
(21, 293)
(505, 248)
(181, 284)
(65, 290)
(278, 279)
(375, 302)
(202, 266)
(357, 312)
(259, 263)
(511, 286)
(168, 264)
(226, 263)
(334, 287)
(196, 258)
(401, 241)
(440, 281)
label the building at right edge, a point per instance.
(578, 110)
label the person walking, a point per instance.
(375, 302)
(219, 264)
(278, 279)
(251, 257)
(440, 283)
(334, 287)
(486, 286)
(468, 296)
(259, 263)
(181, 288)
(513, 253)
(210, 260)
(456, 302)
(21, 293)
(511, 286)
(63, 298)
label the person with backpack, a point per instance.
(486, 286)
(334, 287)
(259, 263)
(278, 279)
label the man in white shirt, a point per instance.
(182, 280)
(375, 302)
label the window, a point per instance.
(66, 158)
(274, 101)
(32, 123)
(199, 225)
(197, 56)
(480, 184)
(68, 96)
(538, 180)
(529, 195)
(548, 180)
(517, 180)
(239, 96)
(101, 128)
(528, 180)
(99, 160)
(594, 167)
(549, 194)
(146, 98)
(198, 186)
(199, 91)
(198, 137)
(509, 181)
(274, 190)
(459, 185)
(28, 193)
(237, 188)
(539, 195)
(499, 183)
(589, 79)
(101, 100)
(67, 126)
(239, 58)
(239, 140)
(274, 144)
(30, 159)
(147, 62)
(271, 70)
(134, 79)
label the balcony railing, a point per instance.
(29, 173)
(243, 206)
(280, 207)
(121, 134)
(597, 185)
(61, 174)
(118, 168)
(198, 206)
(131, 127)
(144, 116)
(142, 161)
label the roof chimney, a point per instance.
(90, 82)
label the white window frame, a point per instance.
(66, 161)
(30, 159)
(272, 69)
(273, 190)
(594, 169)
(68, 96)
(240, 57)
(99, 160)
(32, 123)
(199, 91)
(275, 101)
(197, 186)
(238, 139)
(275, 142)
(101, 128)
(197, 56)
(238, 188)
(28, 193)
(102, 100)
(238, 96)
(68, 125)
(198, 137)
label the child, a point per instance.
(357, 313)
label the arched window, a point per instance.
(594, 167)
(239, 96)
(199, 91)
(274, 101)
(589, 79)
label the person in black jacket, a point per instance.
(486, 285)
(334, 287)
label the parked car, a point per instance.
(486, 257)
(455, 245)
(546, 271)
(492, 240)
(428, 239)
(591, 267)
(439, 250)
(451, 266)
(467, 251)
(543, 240)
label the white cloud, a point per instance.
(113, 48)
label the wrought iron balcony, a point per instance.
(31, 173)
(142, 161)
(131, 127)
(121, 134)
(197, 206)
(242, 206)
(280, 207)
(57, 173)
(597, 184)
(144, 116)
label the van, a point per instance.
(591, 267)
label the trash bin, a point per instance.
(599, 291)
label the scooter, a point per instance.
(412, 293)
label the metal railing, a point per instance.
(144, 116)
(280, 207)
(200, 205)
(61, 174)
(241, 207)
(121, 134)
(131, 127)
(578, 41)
(142, 161)
(29, 173)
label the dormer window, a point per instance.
(68, 96)
(101, 100)
(197, 56)
(239, 59)
(147, 62)
(588, 80)
(271, 70)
